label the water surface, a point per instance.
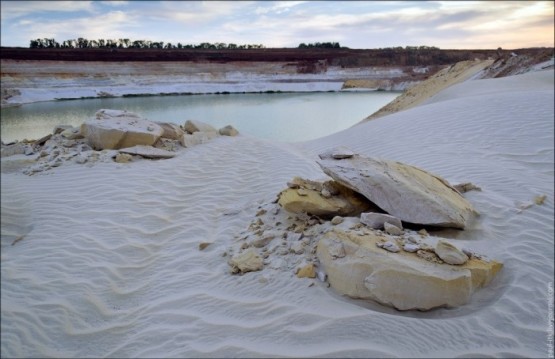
(288, 117)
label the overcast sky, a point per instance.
(355, 24)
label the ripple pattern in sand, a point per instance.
(109, 265)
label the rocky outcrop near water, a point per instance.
(112, 135)
(32, 75)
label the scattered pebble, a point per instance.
(392, 230)
(539, 200)
(389, 246)
(337, 220)
(411, 247)
(203, 245)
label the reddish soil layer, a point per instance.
(326, 57)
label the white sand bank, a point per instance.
(37, 81)
(109, 264)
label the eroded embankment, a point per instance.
(34, 81)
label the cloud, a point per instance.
(358, 24)
(111, 25)
(15, 9)
(115, 3)
(277, 7)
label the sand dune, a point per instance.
(109, 265)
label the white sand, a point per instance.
(109, 265)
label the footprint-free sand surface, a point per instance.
(107, 260)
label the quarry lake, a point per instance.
(287, 117)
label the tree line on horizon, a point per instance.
(82, 43)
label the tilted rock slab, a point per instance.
(147, 152)
(401, 280)
(406, 192)
(113, 129)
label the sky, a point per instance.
(355, 24)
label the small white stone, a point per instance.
(389, 246)
(298, 248)
(377, 220)
(392, 229)
(337, 220)
(449, 253)
(302, 192)
(412, 239)
(342, 152)
(411, 247)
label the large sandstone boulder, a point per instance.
(406, 192)
(192, 126)
(363, 267)
(113, 129)
(326, 200)
(18, 148)
(171, 130)
(197, 138)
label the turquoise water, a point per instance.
(288, 117)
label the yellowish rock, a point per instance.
(203, 245)
(123, 158)
(248, 261)
(401, 190)
(401, 280)
(308, 271)
(307, 197)
(539, 200)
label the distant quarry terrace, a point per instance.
(48, 74)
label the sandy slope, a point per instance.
(109, 263)
(418, 93)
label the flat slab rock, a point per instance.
(147, 152)
(113, 129)
(406, 192)
(358, 267)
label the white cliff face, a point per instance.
(34, 81)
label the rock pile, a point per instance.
(334, 231)
(112, 135)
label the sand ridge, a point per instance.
(420, 92)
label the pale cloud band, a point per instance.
(356, 24)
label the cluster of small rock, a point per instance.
(279, 240)
(113, 135)
(335, 231)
